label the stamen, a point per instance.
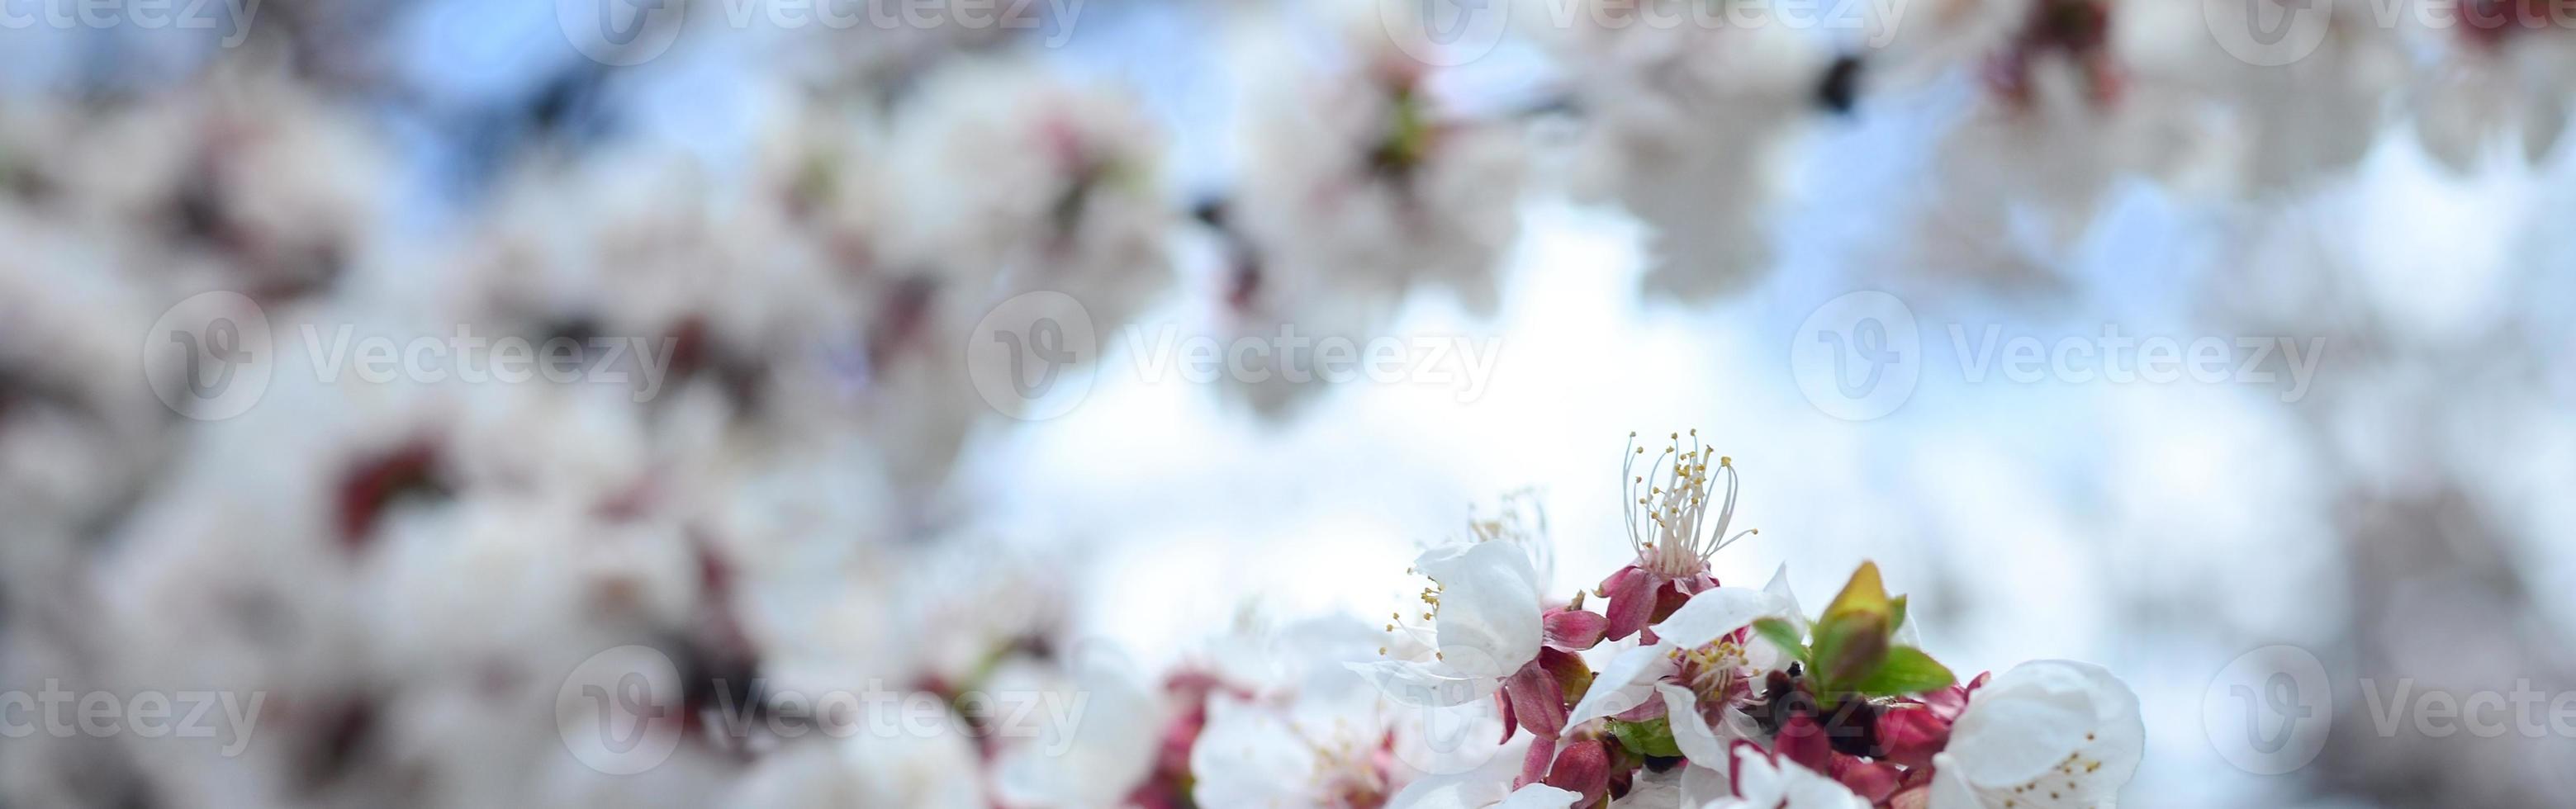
(1678, 493)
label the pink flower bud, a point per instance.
(1911, 734)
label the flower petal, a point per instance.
(1584, 768)
(1950, 790)
(1576, 629)
(1535, 761)
(1698, 742)
(1806, 789)
(1489, 621)
(1624, 684)
(1715, 612)
(1802, 741)
(1539, 796)
(1536, 700)
(1910, 734)
(1778, 587)
(1631, 593)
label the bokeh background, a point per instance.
(1642, 223)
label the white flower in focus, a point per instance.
(2048, 733)
(1486, 608)
(1702, 635)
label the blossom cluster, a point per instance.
(1660, 687)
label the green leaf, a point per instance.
(1782, 634)
(1653, 737)
(1908, 671)
(1896, 614)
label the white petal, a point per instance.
(1950, 790)
(2011, 735)
(1758, 780)
(1488, 622)
(1808, 789)
(1713, 613)
(1766, 781)
(1624, 684)
(1691, 733)
(1539, 796)
(1779, 588)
